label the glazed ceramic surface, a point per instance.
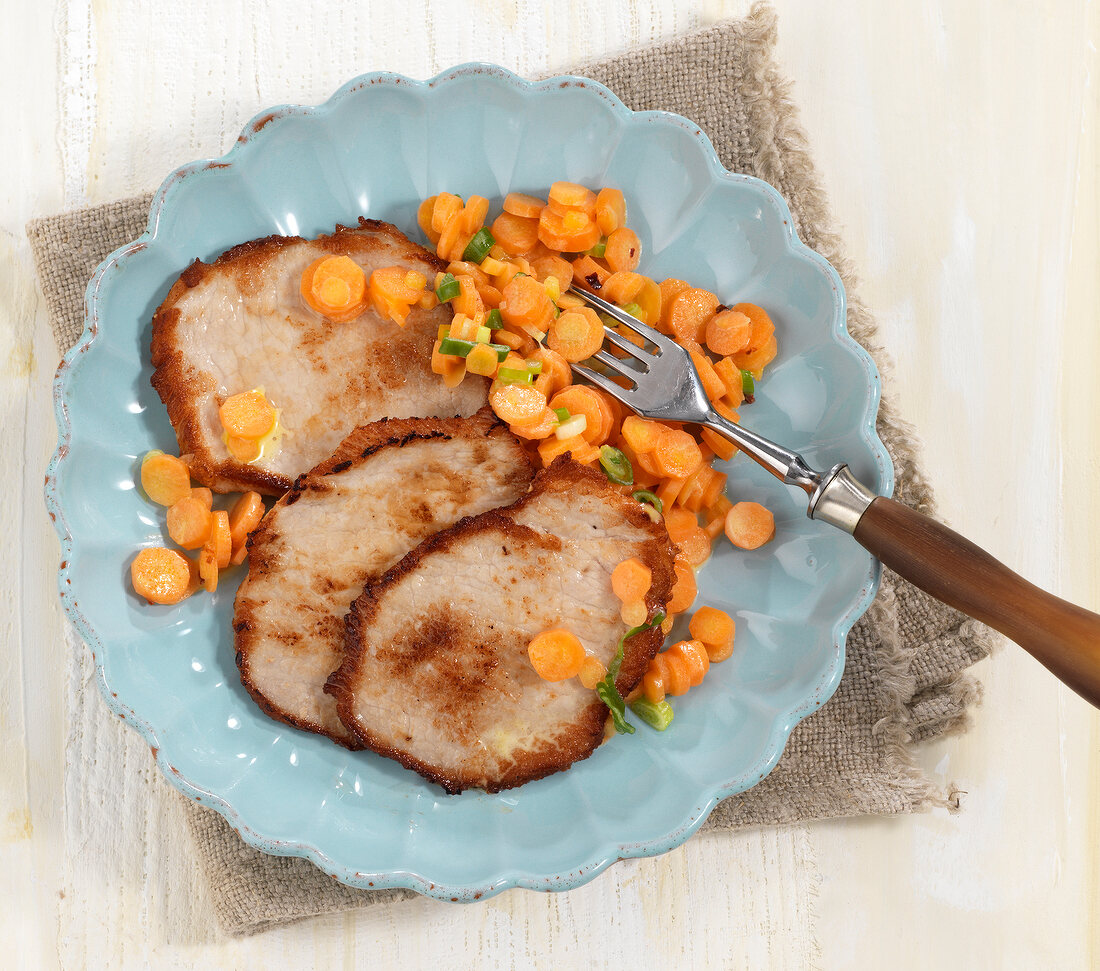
(377, 148)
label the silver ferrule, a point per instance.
(841, 499)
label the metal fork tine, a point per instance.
(655, 337)
(624, 345)
(620, 365)
(601, 381)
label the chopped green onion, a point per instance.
(645, 496)
(457, 348)
(606, 690)
(658, 716)
(514, 375)
(608, 320)
(494, 322)
(616, 466)
(562, 413)
(571, 426)
(535, 367)
(748, 385)
(448, 288)
(634, 310)
(478, 247)
(483, 335)
(600, 249)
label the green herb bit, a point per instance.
(535, 367)
(514, 375)
(562, 413)
(658, 716)
(494, 320)
(644, 495)
(748, 385)
(457, 348)
(448, 288)
(634, 310)
(607, 691)
(600, 249)
(483, 335)
(478, 247)
(616, 465)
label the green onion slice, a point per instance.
(478, 247)
(483, 335)
(494, 321)
(535, 367)
(448, 288)
(514, 375)
(658, 716)
(606, 690)
(452, 345)
(748, 385)
(562, 413)
(600, 249)
(634, 310)
(644, 495)
(616, 466)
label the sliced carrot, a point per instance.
(580, 399)
(189, 522)
(482, 360)
(623, 250)
(680, 524)
(670, 290)
(674, 671)
(762, 326)
(240, 554)
(648, 300)
(520, 204)
(677, 454)
(556, 655)
(634, 613)
(728, 332)
(454, 238)
(525, 303)
(755, 360)
(722, 447)
(551, 448)
(242, 449)
(165, 479)
(518, 404)
(398, 284)
(564, 237)
(571, 194)
(424, 219)
(247, 415)
(592, 671)
(711, 626)
(553, 266)
(641, 434)
(474, 213)
(610, 210)
(631, 580)
(160, 575)
(516, 234)
(622, 287)
(207, 497)
(543, 428)
(684, 589)
(208, 567)
(730, 374)
(446, 206)
(245, 516)
(220, 538)
(589, 274)
(689, 312)
(713, 385)
(576, 334)
(556, 373)
(336, 287)
(468, 301)
(749, 525)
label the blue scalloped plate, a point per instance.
(376, 148)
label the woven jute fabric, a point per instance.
(904, 679)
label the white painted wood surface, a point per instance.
(958, 143)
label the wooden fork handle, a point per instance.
(1063, 637)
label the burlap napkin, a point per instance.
(903, 679)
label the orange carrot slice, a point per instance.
(576, 334)
(160, 575)
(516, 234)
(583, 400)
(517, 404)
(677, 454)
(525, 304)
(242, 449)
(520, 204)
(728, 332)
(189, 522)
(749, 525)
(610, 210)
(165, 479)
(247, 415)
(623, 251)
(689, 312)
(245, 516)
(336, 287)
(556, 655)
(631, 580)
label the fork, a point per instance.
(664, 385)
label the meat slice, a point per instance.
(240, 323)
(388, 486)
(436, 673)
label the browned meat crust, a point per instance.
(465, 655)
(302, 638)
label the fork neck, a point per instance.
(787, 466)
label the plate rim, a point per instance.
(253, 132)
